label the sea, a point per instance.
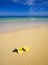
(23, 18)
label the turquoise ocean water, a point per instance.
(28, 18)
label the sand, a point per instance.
(35, 38)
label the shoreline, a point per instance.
(17, 26)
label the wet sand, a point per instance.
(35, 38)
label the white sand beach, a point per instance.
(35, 38)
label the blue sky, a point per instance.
(23, 7)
